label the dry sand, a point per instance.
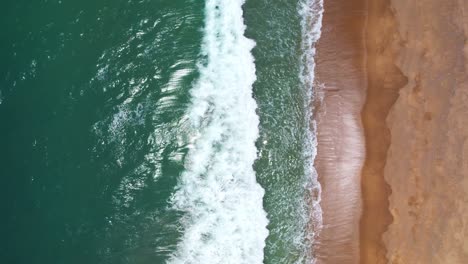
(427, 162)
(404, 64)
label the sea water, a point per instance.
(158, 131)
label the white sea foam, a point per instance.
(224, 220)
(311, 12)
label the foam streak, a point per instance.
(311, 12)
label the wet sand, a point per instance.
(394, 76)
(384, 82)
(341, 76)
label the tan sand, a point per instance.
(384, 82)
(411, 63)
(341, 74)
(427, 163)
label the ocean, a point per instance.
(158, 131)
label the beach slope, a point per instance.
(341, 84)
(393, 132)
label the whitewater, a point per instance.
(224, 220)
(223, 216)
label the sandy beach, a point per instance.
(393, 132)
(341, 78)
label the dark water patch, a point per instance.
(92, 132)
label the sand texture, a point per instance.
(384, 81)
(393, 74)
(341, 82)
(427, 162)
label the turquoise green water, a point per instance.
(97, 141)
(276, 27)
